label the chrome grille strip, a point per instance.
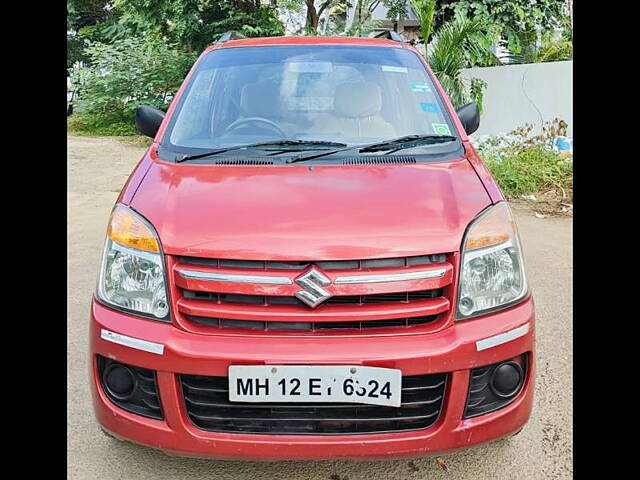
(391, 277)
(352, 280)
(233, 278)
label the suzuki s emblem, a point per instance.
(312, 282)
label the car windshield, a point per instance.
(348, 94)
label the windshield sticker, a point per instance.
(422, 87)
(441, 128)
(391, 68)
(429, 107)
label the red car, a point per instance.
(311, 261)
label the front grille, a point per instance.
(311, 326)
(341, 300)
(229, 293)
(208, 406)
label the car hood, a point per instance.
(310, 212)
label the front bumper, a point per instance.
(452, 350)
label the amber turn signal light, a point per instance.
(494, 228)
(126, 229)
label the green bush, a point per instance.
(101, 125)
(528, 170)
(555, 51)
(123, 75)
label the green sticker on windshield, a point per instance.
(422, 87)
(441, 128)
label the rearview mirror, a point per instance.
(148, 120)
(469, 115)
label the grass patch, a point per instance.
(522, 171)
(91, 125)
(101, 125)
(136, 140)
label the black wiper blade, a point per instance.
(306, 143)
(259, 145)
(394, 144)
(407, 141)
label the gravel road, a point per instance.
(97, 169)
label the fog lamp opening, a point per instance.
(507, 379)
(120, 381)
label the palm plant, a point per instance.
(424, 9)
(458, 44)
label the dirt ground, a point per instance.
(97, 169)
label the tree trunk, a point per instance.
(248, 6)
(357, 18)
(311, 26)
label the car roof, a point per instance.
(296, 40)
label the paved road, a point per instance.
(97, 169)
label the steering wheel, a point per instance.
(243, 121)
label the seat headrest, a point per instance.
(260, 99)
(358, 99)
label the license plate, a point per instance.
(318, 384)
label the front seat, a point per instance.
(261, 100)
(357, 112)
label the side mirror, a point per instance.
(148, 120)
(469, 115)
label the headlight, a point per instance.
(132, 273)
(491, 271)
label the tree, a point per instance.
(519, 22)
(362, 16)
(313, 12)
(396, 9)
(85, 13)
(85, 22)
(195, 24)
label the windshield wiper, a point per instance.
(297, 143)
(407, 141)
(394, 144)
